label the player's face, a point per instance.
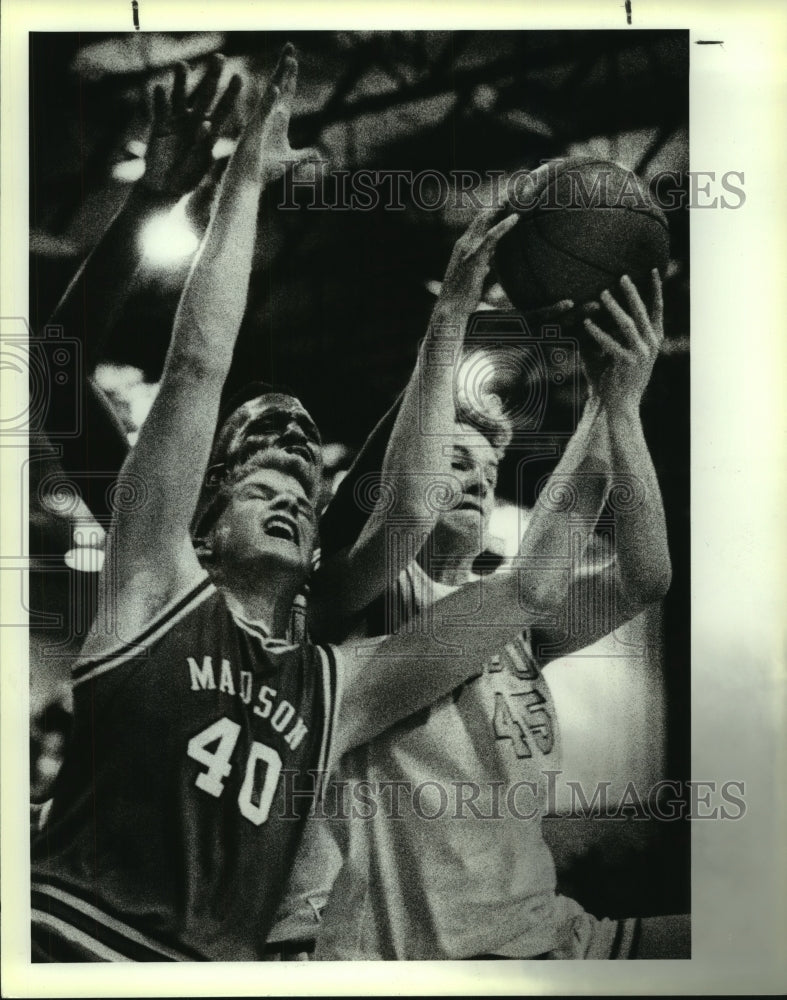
(474, 463)
(269, 518)
(278, 423)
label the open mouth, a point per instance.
(301, 450)
(258, 443)
(281, 527)
(469, 505)
(254, 443)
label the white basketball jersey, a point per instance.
(446, 859)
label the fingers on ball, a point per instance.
(608, 343)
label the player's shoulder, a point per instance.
(146, 618)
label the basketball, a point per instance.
(584, 223)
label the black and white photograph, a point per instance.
(364, 497)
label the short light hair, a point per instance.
(496, 428)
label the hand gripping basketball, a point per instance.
(628, 358)
(471, 259)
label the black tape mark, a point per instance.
(708, 43)
(628, 11)
(135, 13)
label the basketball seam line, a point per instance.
(570, 253)
(575, 256)
(649, 212)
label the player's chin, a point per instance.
(303, 466)
(468, 514)
(273, 548)
(464, 525)
(269, 554)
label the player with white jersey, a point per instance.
(200, 735)
(451, 862)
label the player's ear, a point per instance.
(207, 543)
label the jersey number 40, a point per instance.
(259, 784)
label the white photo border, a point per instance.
(738, 104)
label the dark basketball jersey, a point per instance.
(180, 806)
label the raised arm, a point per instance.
(177, 161)
(561, 526)
(417, 460)
(149, 553)
(642, 553)
(448, 643)
(598, 595)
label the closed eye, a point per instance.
(305, 509)
(265, 424)
(309, 430)
(461, 460)
(258, 492)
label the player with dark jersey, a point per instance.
(186, 782)
(171, 829)
(197, 726)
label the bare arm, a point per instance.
(149, 552)
(643, 560)
(600, 596)
(417, 460)
(385, 681)
(564, 517)
(449, 643)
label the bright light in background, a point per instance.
(224, 147)
(85, 560)
(128, 171)
(169, 238)
(128, 392)
(507, 524)
(133, 167)
(88, 537)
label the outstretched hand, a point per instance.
(462, 289)
(621, 375)
(471, 259)
(179, 153)
(265, 149)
